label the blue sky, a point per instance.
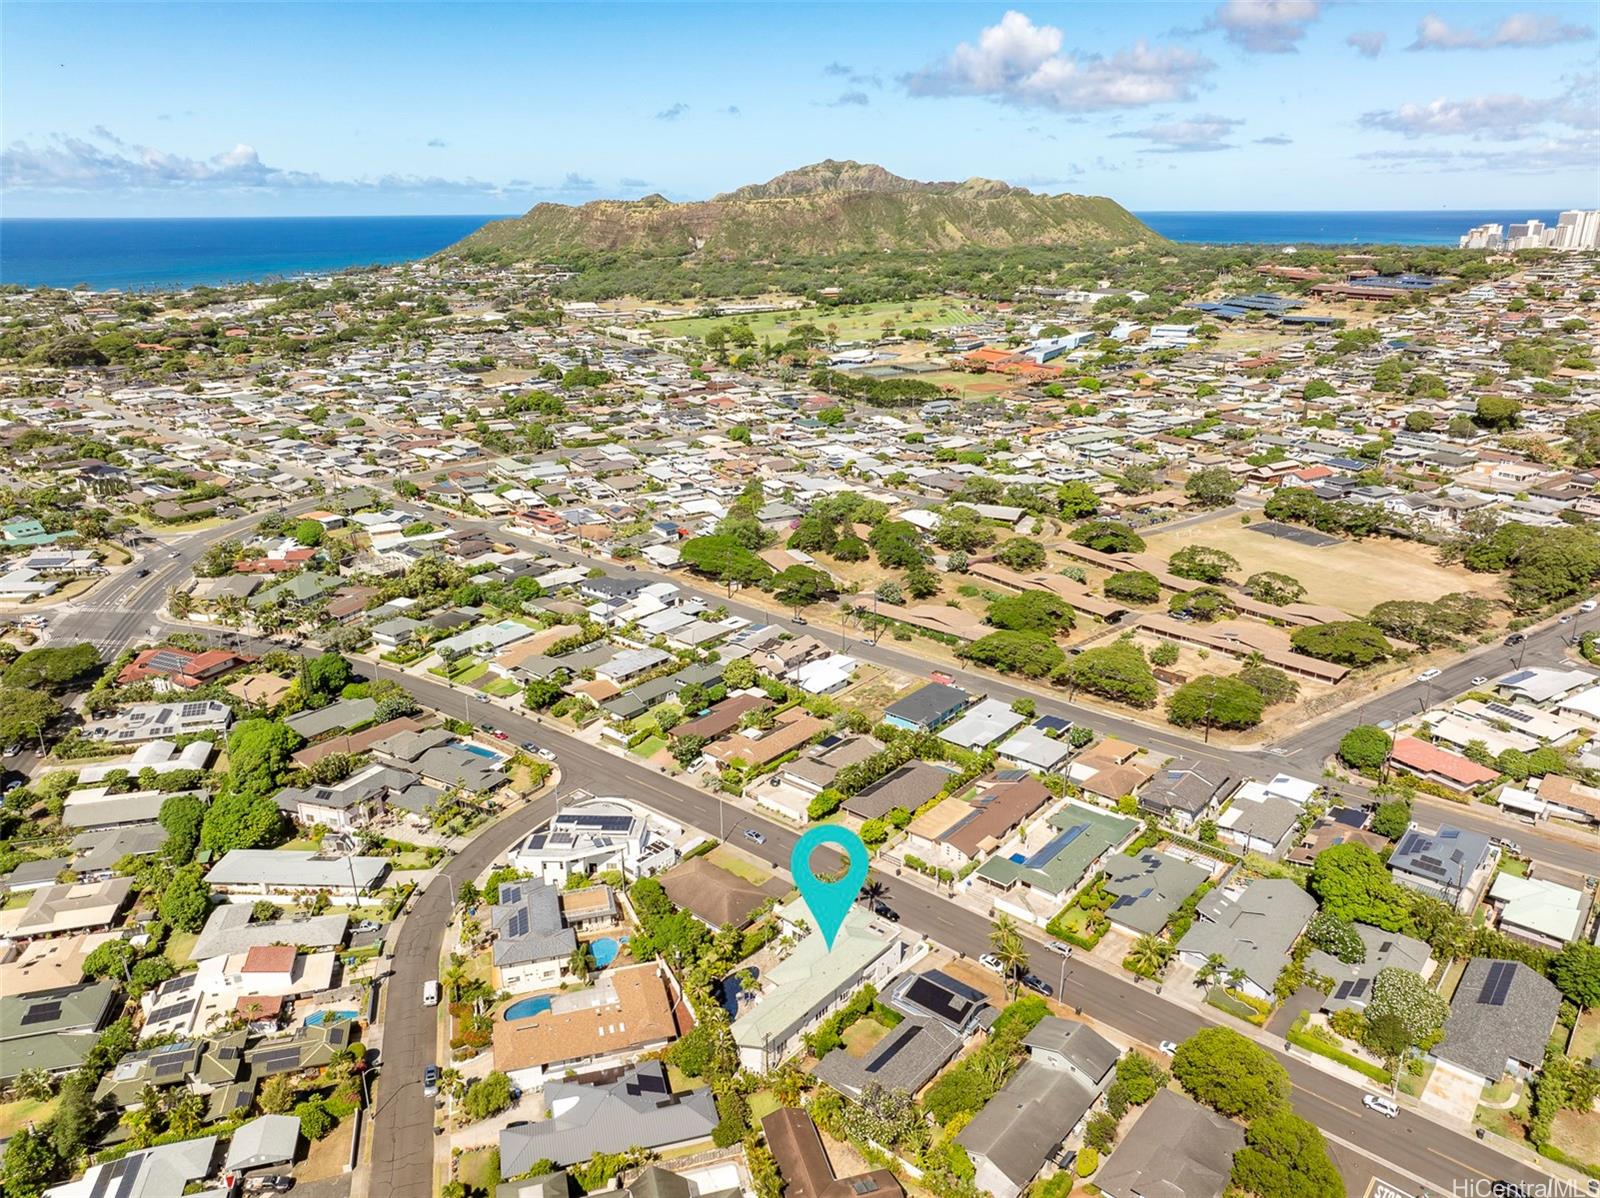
(301, 109)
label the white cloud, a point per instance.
(1519, 29)
(104, 162)
(1368, 44)
(1551, 154)
(1509, 117)
(1265, 26)
(1018, 62)
(1195, 135)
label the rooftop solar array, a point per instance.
(1350, 990)
(518, 924)
(278, 1060)
(190, 710)
(598, 823)
(117, 1179)
(42, 1012)
(1497, 984)
(1507, 712)
(936, 1000)
(172, 1010)
(1058, 842)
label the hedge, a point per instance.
(1298, 1036)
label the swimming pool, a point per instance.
(605, 949)
(526, 1008)
(318, 1018)
(478, 750)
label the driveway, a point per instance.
(1452, 1092)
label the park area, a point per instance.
(1351, 575)
(856, 322)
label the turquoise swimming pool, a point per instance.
(318, 1018)
(605, 950)
(526, 1008)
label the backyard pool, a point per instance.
(318, 1018)
(478, 750)
(605, 950)
(526, 1008)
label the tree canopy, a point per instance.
(1216, 703)
(1343, 642)
(1116, 671)
(1232, 1075)
(1351, 883)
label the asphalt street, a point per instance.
(123, 610)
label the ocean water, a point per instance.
(1433, 227)
(182, 252)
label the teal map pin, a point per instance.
(829, 902)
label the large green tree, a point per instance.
(1031, 611)
(1351, 883)
(1284, 1156)
(186, 899)
(1116, 671)
(1031, 654)
(1232, 1075)
(1344, 642)
(1215, 702)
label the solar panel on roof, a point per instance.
(936, 1000)
(166, 659)
(1360, 987)
(1058, 842)
(181, 983)
(1497, 984)
(172, 1010)
(190, 710)
(42, 1012)
(518, 925)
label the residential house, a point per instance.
(63, 908)
(1500, 1020)
(54, 1029)
(533, 947)
(627, 1013)
(1352, 981)
(1252, 930)
(981, 725)
(592, 835)
(1053, 861)
(813, 981)
(1067, 1069)
(804, 1165)
(927, 708)
(1176, 1149)
(243, 875)
(638, 1110)
(1149, 889)
(1184, 791)
(1453, 864)
(1537, 910)
(907, 787)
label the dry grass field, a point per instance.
(1352, 575)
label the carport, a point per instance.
(269, 1140)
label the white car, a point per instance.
(991, 962)
(1060, 948)
(1384, 1106)
(1168, 1047)
(1480, 680)
(1428, 675)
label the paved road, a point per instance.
(1417, 1146)
(402, 1149)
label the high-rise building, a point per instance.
(1577, 229)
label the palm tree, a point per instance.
(179, 603)
(1006, 941)
(35, 1084)
(454, 974)
(1236, 978)
(1211, 970)
(873, 891)
(231, 609)
(1149, 955)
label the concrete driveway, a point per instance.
(1452, 1092)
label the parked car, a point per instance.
(1384, 1106)
(277, 1183)
(1564, 620)
(479, 697)
(501, 734)
(1429, 674)
(1032, 981)
(884, 911)
(1058, 946)
(1168, 1047)
(1480, 680)
(544, 754)
(1588, 605)
(529, 746)
(991, 962)
(430, 1081)
(754, 837)
(801, 620)
(366, 925)
(1509, 846)
(14, 750)
(1516, 638)
(630, 568)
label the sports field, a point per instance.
(853, 323)
(1352, 575)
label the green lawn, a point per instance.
(849, 323)
(416, 859)
(738, 866)
(179, 946)
(680, 1081)
(14, 1116)
(471, 674)
(1586, 1037)
(861, 1035)
(502, 688)
(649, 748)
(762, 1104)
(1514, 865)
(478, 1169)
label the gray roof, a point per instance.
(229, 930)
(527, 924)
(1181, 785)
(928, 705)
(101, 848)
(1502, 1011)
(35, 872)
(345, 713)
(269, 1140)
(1269, 820)
(906, 1059)
(638, 1109)
(1177, 1149)
(1085, 1049)
(296, 868)
(1026, 1121)
(910, 786)
(1444, 858)
(1253, 932)
(1352, 984)
(1149, 888)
